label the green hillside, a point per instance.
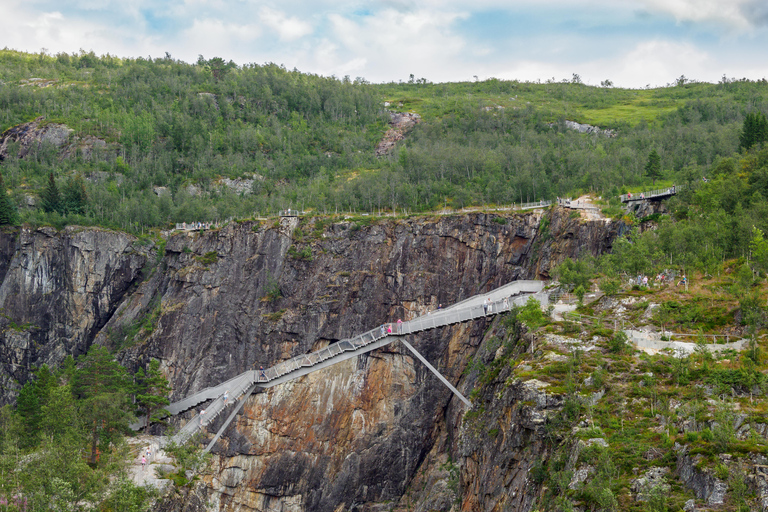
(311, 140)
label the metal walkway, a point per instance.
(236, 389)
(652, 195)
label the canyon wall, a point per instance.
(378, 432)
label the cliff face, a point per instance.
(58, 290)
(376, 432)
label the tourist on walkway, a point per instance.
(389, 328)
(262, 375)
(143, 462)
(399, 326)
(226, 396)
(202, 415)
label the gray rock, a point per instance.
(704, 485)
(652, 481)
(580, 476)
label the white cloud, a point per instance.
(287, 28)
(215, 38)
(385, 40)
(395, 44)
(661, 62)
(727, 12)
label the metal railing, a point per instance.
(430, 321)
(290, 213)
(469, 309)
(237, 387)
(650, 194)
(535, 204)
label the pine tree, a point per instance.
(754, 131)
(75, 197)
(653, 167)
(102, 388)
(152, 391)
(8, 214)
(51, 199)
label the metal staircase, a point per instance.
(238, 388)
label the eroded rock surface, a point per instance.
(58, 289)
(378, 432)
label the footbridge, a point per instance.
(234, 391)
(652, 195)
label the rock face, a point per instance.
(58, 289)
(38, 133)
(703, 484)
(378, 432)
(401, 123)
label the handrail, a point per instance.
(386, 333)
(650, 194)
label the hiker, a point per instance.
(490, 305)
(202, 413)
(485, 307)
(143, 462)
(399, 326)
(383, 329)
(149, 453)
(506, 303)
(389, 328)
(226, 396)
(262, 375)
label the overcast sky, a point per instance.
(634, 43)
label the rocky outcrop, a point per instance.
(58, 290)
(588, 128)
(401, 123)
(26, 137)
(703, 483)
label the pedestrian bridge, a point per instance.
(652, 195)
(235, 390)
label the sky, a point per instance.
(632, 43)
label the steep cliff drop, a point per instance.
(374, 433)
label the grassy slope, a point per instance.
(652, 402)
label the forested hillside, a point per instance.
(173, 132)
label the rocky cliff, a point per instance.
(377, 432)
(58, 290)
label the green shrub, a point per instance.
(619, 344)
(303, 254)
(208, 258)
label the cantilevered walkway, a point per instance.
(652, 195)
(235, 390)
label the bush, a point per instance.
(303, 254)
(610, 286)
(619, 343)
(532, 314)
(208, 258)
